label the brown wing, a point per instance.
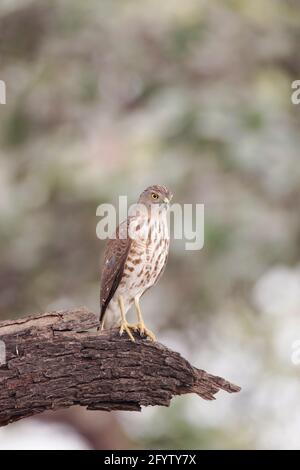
(115, 256)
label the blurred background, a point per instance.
(106, 97)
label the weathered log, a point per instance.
(57, 360)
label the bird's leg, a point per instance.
(124, 325)
(140, 326)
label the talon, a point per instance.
(143, 330)
(126, 327)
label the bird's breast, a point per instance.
(147, 256)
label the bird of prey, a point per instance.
(134, 260)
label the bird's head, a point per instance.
(156, 195)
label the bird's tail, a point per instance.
(111, 319)
(101, 320)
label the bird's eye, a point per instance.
(154, 196)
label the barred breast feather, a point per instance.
(132, 264)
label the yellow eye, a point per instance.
(154, 196)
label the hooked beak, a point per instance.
(167, 200)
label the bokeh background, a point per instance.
(105, 97)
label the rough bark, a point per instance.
(57, 360)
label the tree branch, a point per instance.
(53, 361)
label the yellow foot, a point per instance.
(143, 330)
(125, 326)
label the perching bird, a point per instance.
(134, 260)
